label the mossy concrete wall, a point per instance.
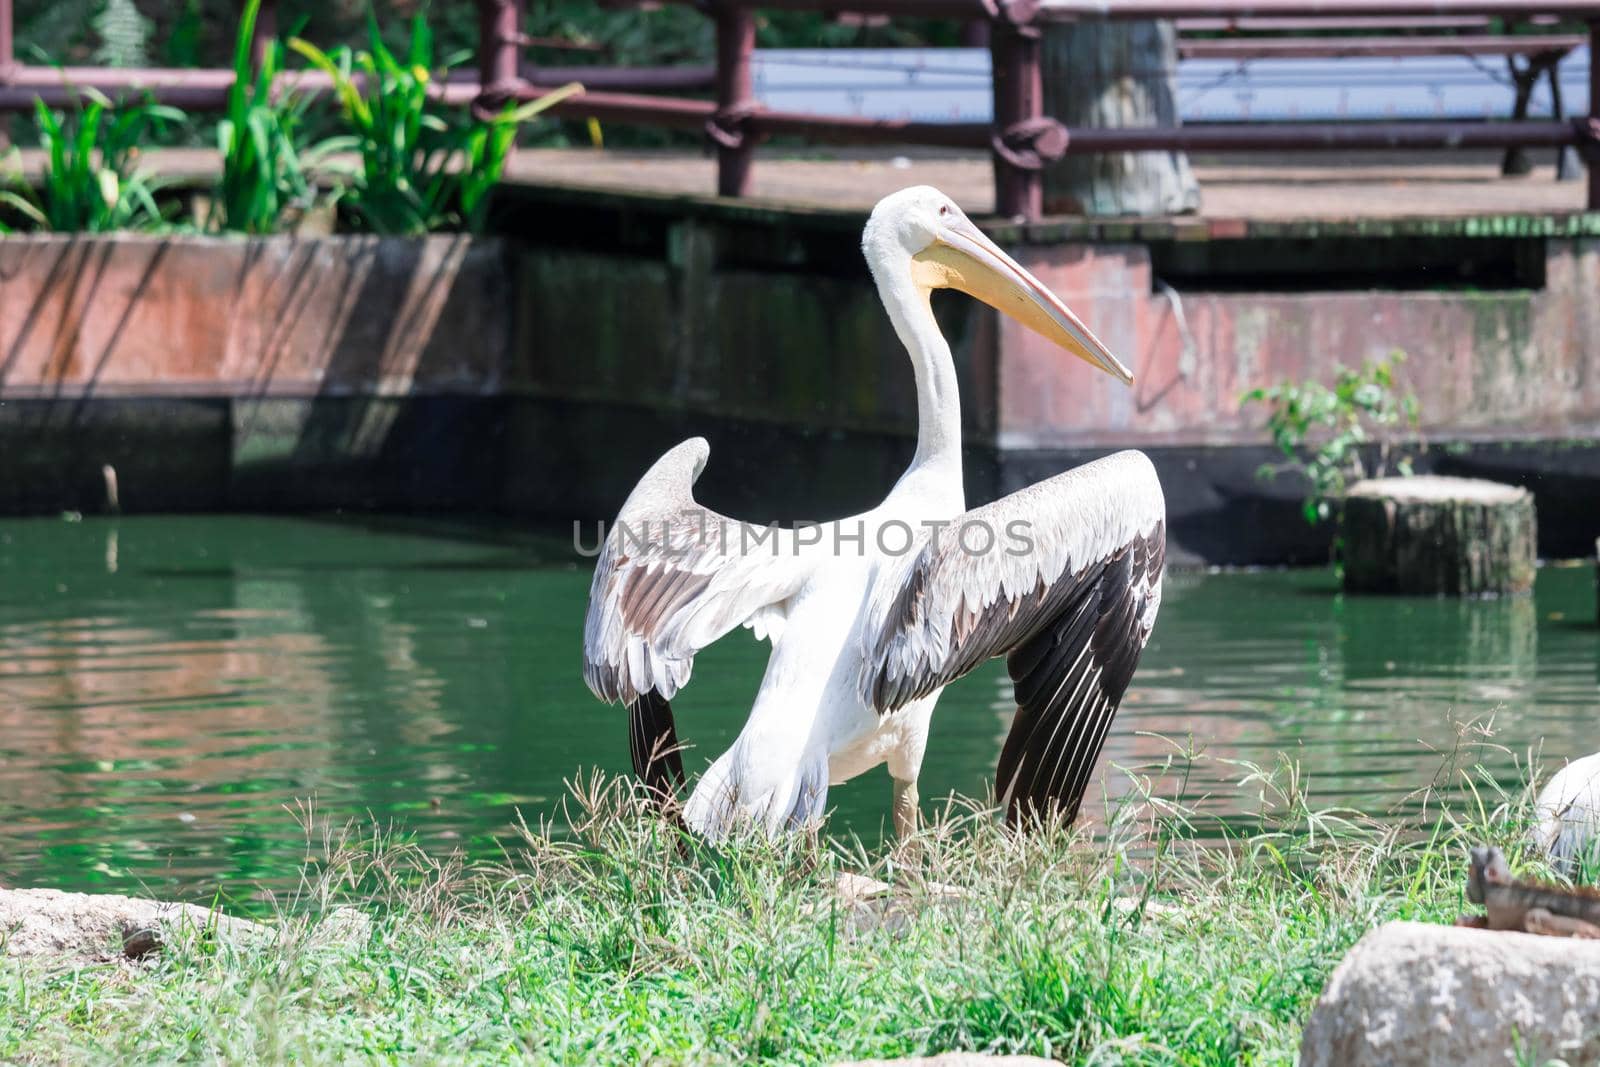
(540, 371)
(1514, 362)
(214, 373)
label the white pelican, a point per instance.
(871, 616)
(1568, 810)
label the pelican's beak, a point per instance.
(961, 257)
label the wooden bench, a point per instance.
(1540, 54)
(1339, 24)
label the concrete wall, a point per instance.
(274, 316)
(540, 372)
(1520, 362)
(214, 373)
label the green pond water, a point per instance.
(172, 688)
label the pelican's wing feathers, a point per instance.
(672, 577)
(1068, 592)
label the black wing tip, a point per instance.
(1059, 702)
(1038, 813)
(654, 747)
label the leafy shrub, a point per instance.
(91, 182)
(424, 165)
(1321, 430)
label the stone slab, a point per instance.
(1416, 995)
(49, 922)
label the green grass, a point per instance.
(623, 941)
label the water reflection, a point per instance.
(170, 687)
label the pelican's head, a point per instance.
(922, 227)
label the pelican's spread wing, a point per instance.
(1064, 579)
(673, 577)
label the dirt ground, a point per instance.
(1288, 186)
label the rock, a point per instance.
(48, 922)
(1438, 536)
(346, 926)
(956, 1059)
(141, 942)
(1411, 994)
(867, 904)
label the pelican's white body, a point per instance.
(810, 719)
(1568, 811)
(810, 725)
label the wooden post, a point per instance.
(736, 40)
(1568, 166)
(1018, 112)
(7, 60)
(1434, 536)
(499, 30)
(7, 40)
(1524, 80)
(1592, 156)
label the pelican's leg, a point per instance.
(905, 763)
(905, 808)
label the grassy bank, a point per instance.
(624, 942)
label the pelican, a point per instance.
(870, 617)
(1568, 814)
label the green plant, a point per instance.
(183, 41)
(424, 165)
(1321, 431)
(265, 167)
(90, 180)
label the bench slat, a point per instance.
(1342, 47)
(1246, 24)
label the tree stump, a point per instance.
(1115, 74)
(1438, 536)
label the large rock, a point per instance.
(48, 922)
(867, 904)
(1411, 994)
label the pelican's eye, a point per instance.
(944, 209)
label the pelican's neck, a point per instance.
(938, 397)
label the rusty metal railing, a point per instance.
(1021, 139)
